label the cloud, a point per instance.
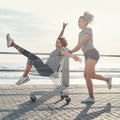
(12, 12)
(27, 28)
(20, 22)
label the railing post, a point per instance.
(65, 72)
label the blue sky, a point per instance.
(35, 24)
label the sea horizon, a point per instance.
(11, 71)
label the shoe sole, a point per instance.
(7, 40)
(22, 82)
(110, 81)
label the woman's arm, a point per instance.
(67, 54)
(80, 44)
(62, 31)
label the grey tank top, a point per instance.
(88, 45)
(54, 59)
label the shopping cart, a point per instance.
(61, 89)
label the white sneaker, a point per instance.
(109, 83)
(88, 100)
(9, 40)
(22, 80)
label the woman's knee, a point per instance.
(32, 57)
(93, 76)
(29, 62)
(89, 75)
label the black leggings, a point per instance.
(31, 57)
(43, 69)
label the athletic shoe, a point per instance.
(9, 40)
(88, 100)
(109, 83)
(22, 80)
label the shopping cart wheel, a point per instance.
(62, 96)
(68, 100)
(32, 97)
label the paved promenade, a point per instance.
(15, 103)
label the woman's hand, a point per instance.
(64, 25)
(76, 58)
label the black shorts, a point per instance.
(92, 54)
(42, 69)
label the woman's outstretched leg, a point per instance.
(11, 43)
(31, 58)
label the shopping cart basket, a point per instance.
(56, 79)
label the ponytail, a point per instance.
(87, 17)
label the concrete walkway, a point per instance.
(15, 103)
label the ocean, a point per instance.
(11, 69)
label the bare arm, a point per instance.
(80, 44)
(62, 31)
(67, 54)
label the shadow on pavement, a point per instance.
(39, 105)
(84, 115)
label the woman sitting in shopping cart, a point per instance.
(53, 62)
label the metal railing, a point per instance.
(65, 69)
